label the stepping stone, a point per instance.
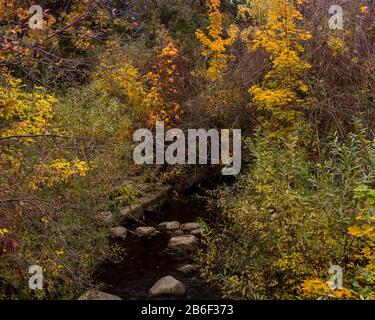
(173, 225)
(190, 226)
(178, 232)
(187, 242)
(167, 286)
(145, 231)
(197, 232)
(185, 268)
(162, 225)
(169, 225)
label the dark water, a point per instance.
(147, 260)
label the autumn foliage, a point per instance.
(283, 88)
(163, 79)
(73, 93)
(215, 42)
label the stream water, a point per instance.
(145, 260)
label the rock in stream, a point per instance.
(167, 286)
(186, 242)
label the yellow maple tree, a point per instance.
(215, 43)
(283, 88)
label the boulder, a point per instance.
(178, 232)
(145, 231)
(190, 226)
(94, 294)
(118, 232)
(187, 242)
(167, 286)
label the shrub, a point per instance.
(288, 219)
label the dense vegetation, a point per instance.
(73, 93)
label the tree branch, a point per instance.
(25, 136)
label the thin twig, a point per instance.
(25, 136)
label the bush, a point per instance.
(51, 201)
(288, 219)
